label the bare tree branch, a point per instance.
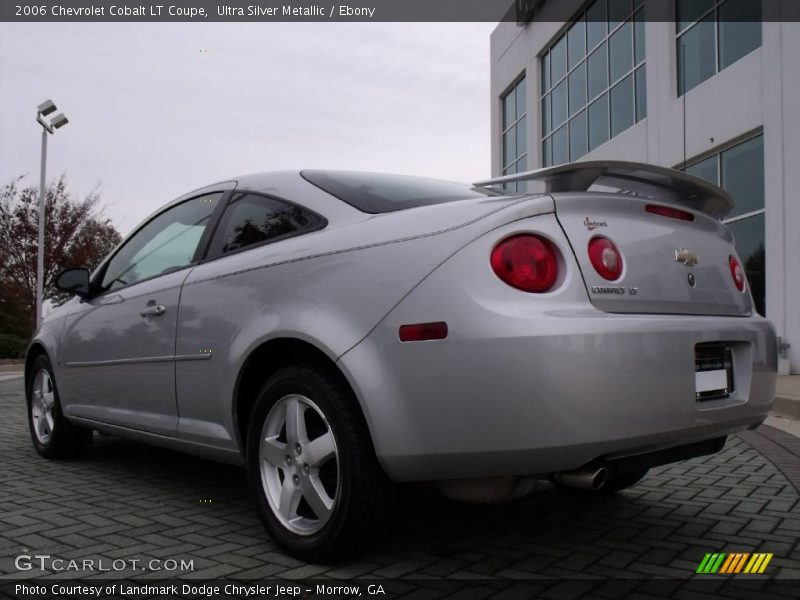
(76, 234)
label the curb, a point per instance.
(787, 405)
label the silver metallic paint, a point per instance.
(523, 384)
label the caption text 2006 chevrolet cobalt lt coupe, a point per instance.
(336, 331)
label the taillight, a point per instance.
(605, 258)
(737, 272)
(672, 213)
(527, 262)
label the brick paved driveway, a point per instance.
(125, 500)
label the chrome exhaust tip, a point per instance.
(592, 479)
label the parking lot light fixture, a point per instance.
(48, 127)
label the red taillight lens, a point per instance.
(420, 332)
(672, 213)
(737, 272)
(526, 262)
(605, 258)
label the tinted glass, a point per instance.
(596, 25)
(743, 175)
(509, 110)
(598, 71)
(707, 169)
(578, 140)
(641, 93)
(739, 30)
(697, 45)
(622, 115)
(577, 89)
(691, 10)
(521, 100)
(251, 219)
(598, 122)
(576, 42)
(559, 104)
(749, 234)
(621, 51)
(558, 60)
(381, 193)
(546, 115)
(547, 158)
(509, 146)
(522, 138)
(618, 11)
(546, 72)
(639, 37)
(165, 244)
(560, 146)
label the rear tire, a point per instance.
(53, 436)
(318, 486)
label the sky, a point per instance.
(157, 110)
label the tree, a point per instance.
(76, 235)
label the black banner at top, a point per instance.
(516, 11)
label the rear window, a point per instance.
(251, 219)
(381, 193)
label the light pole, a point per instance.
(48, 127)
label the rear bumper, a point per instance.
(509, 396)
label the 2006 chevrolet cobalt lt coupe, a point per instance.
(337, 331)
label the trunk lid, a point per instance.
(671, 266)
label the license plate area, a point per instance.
(713, 372)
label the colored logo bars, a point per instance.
(734, 563)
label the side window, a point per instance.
(167, 243)
(252, 219)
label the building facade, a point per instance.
(714, 91)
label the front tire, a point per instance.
(53, 436)
(318, 486)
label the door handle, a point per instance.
(154, 310)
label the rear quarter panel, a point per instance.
(329, 288)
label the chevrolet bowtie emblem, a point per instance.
(687, 257)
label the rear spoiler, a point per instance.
(659, 183)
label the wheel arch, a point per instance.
(264, 361)
(35, 350)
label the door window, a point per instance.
(165, 244)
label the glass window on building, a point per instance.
(739, 170)
(594, 80)
(515, 132)
(712, 35)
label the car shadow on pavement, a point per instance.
(124, 499)
(661, 527)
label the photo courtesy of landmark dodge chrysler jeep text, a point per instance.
(338, 331)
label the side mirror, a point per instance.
(74, 281)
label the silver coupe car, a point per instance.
(335, 332)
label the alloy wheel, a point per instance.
(299, 464)
(43, 400)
